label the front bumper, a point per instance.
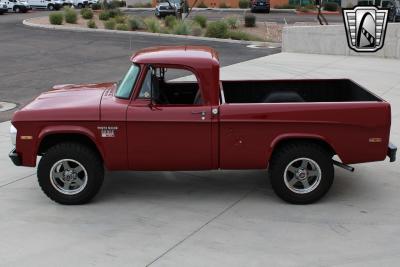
(15, 158)
(391, 152)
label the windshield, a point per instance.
(126, 85)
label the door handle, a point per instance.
(202, 113)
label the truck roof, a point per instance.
(191, 56)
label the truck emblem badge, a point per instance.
(365, 28)
(107, 131)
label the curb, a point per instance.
(187, 37)
(272, 10)
(316, 12)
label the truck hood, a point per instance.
(66, 102)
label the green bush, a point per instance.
(152, 24)
(104, 15)
(70, 15)
(135, 23)
(91, 24)
(115, 13)
(56, 18)
(109, 24)
(96, 6)
(120, 19)
(196, 29)
(122, 27)
(170, 21)
(223, 5)
(201, 20)
(243, 3)
(239, 35)
(217, 29)
(87, 13)
(249, 20)
(181, 28)
(202, 5)
(233, 22)
(331, 6)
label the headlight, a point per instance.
(13, 134)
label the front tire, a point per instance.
(70, 173)
(301, 173)
(50, 7)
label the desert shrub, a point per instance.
(109, 24)
(223, 5)
(243, 3)
(115, 13)
(104, 15)
(201, 20)
(56, 18)
(70, 15)
(217, 29)
(165, 30)
(120, 19)
(239, 35)
(135, 23)
(196, 29)
(152, 25)
(331, 6)
(122, 27)
(170, 21)
(96, 6)
(91, 24)
(87, 13)
(181, 28)
(249, 20)
(202, 5)
(232, 22)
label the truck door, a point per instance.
(169, 127)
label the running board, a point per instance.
(342, 165)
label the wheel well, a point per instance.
(53, 139)
(326, 146)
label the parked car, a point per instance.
(46, 4)
(17, 6)
(260, 5)
(392, 5)
(165, 8)
(3, 8)
(149, 122)
(80, 3)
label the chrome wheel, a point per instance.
(302, 175)
(68, 176)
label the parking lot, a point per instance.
(211, 218)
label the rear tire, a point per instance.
(50, 7)
(301, 173)
(70, 173)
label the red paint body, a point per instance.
(171, 137)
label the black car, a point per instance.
(3, 8)
(260, 5)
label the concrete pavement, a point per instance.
(217, 218)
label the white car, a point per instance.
(16, 6)
(46, 4)
(80, 3)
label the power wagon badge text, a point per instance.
(107, 131)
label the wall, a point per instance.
(331, 40)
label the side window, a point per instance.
(172, 86)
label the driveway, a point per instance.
(216, 218)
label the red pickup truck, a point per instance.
(292, 128)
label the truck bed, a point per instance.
(286, 91)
